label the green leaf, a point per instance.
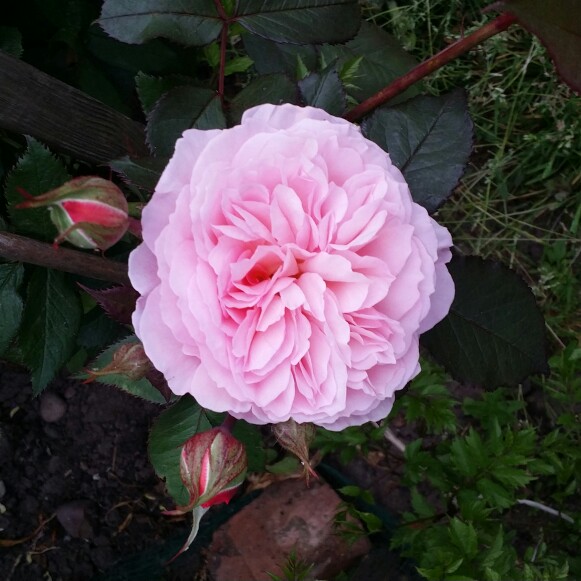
(11, 41)
(421, 505)
(494, 406)
(144, 172)
(51, 318)
(179, 109)
(496, 494)
(494, 333)
(429, 139)
(170, 431)
(251, 437)
(140, 388)
(466, 462)
(383, 60)
(187, 22)
(558, 24)
(11, 276)
(150, 89)
(464, 537)
(275, 89)
(300, 21)
(510, 476)
(272, 57)
(238, 64)
(36, 172)
(288, 465)
(325, 91)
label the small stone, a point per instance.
(72, 517)
(52, 407)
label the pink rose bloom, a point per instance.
(285, 271)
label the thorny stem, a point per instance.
(20, 248)
(432, 64)
(223, 44)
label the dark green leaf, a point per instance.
(238, 64)
(300, 21)
(36, 172)
(494, 333)
(155, 57)
(558, 24)
(275, 89)
(325, 91)
(96, 330)
(273, 57)
(429, 139)
(169, 433)
(11, 41)
(91, 79)
(180, 109)
(140, 388)
(251, 437)
(288, 465)
(383, 61)
(187, 22)
(10, 302)
(150, 89)
(51, 318)
(464, 537)
(144, 172)
(494, 493)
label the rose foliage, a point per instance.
(286, 272)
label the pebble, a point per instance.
(52, 407)
(72, 516)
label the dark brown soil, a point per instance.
(78, 494)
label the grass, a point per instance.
(520, 199)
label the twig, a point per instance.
(432, 64)
(393, 439)
(546, 509)
(20, 248)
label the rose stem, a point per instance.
(223, 43)
(229, 422)
(430, 65)
(20, 248)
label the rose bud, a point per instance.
(296, 438)
(213, 465)
(129, 360)
(88, 211)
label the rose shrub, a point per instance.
(285, 271)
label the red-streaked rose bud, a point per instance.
(213, 465)
(296, 438)
(129, 360)
(89, 211)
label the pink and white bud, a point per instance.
(129, 359)
(88, 211)
(213, 465)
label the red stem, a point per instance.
(430, 65)
(223, 44)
